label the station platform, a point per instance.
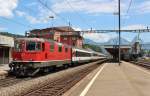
(3, 70)
(111, 79)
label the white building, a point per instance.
(6, 45)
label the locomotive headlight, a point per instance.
(15, 59)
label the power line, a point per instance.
(129, 6)
(17, 22)
(81, 18)
(52, 11)
(128, 9)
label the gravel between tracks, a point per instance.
(26, 86)
(142, 63)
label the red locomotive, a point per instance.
(31, 55)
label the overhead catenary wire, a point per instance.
(128, 9)
(17, 22)
(80, 16)
(45, 5)
(130, 3)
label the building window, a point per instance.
(74, 44)
(66, 49)
(65, 38)
(51, 47)
(73, 38)
(59, 48)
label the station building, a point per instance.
(6, 45)
(65, 34)
(112, 47)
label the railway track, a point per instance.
(11, 80)
(60, 86)
(142, 63)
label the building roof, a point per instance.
(115, 41)
(60, 29)
(6, 41)
(64, 31)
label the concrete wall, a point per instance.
(6, 45)
(4, 55)
(6, 41)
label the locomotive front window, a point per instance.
(33, 46)
(18, 46)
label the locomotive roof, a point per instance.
(31, 39)
(41, 40)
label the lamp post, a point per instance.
(52, 17)
(119, 25)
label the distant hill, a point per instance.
(93, 47)
(11, 35)
(89, 41)
(146, 46)
(115, 41)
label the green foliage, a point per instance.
(93, 47)
(10, 35)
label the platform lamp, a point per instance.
(52, 17)
(119, 27)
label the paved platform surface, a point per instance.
(113, 80)
(3, 70)
(4, 67)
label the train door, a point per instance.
(74, 57)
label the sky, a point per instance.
(19, 16)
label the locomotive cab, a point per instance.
(27, 51)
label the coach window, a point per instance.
(51, 47)
(59, 48)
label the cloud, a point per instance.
(7, 7)
(98, 37)
(143, 7)
(77, 28)
(96, 7)
(86, 6)
(134, 26)
(20, 13)
(42, 17)
(32, 4)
